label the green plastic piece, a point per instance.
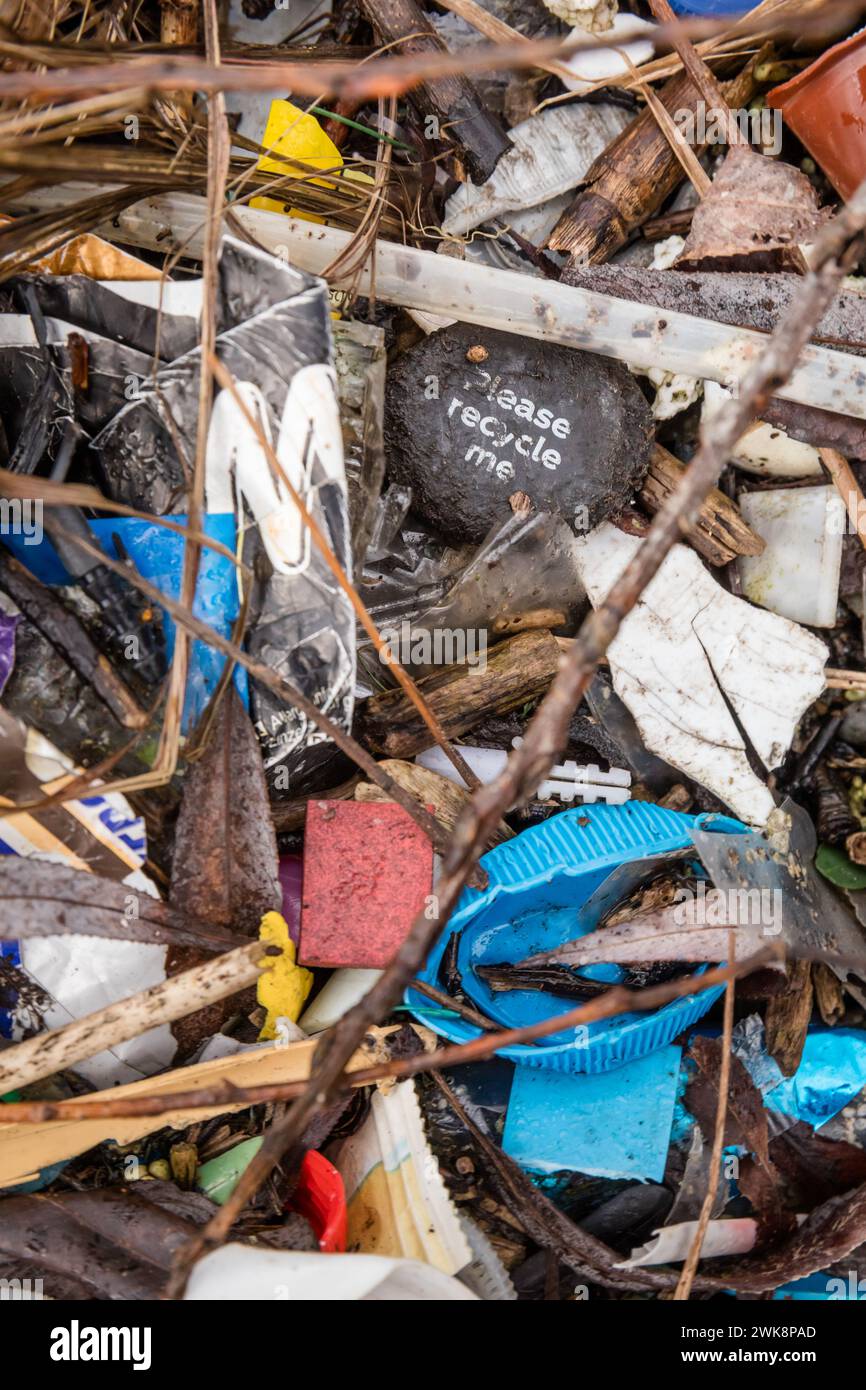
(835, 865)
(219, 1177)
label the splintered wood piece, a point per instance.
(787, 1018)
(721, 531)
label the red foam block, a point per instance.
(367, 872)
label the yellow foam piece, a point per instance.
(283, 985)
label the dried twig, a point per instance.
(686, 1279)
(848, 488)
(59, 1048)
(614, 1002)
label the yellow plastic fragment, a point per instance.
(292, 132)
(283, 985)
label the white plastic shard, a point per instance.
(798, 573)
(670, 1244)
(552, 154)
(688, 650)
(764, 449)
(592, 66)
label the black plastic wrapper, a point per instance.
(273, 326)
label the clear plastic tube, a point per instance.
(640, 335)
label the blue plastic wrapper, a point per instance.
(157, 554)
(831, 1073)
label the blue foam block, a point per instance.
(613, 1124)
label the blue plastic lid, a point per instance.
(539, 883)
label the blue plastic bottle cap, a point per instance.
(537, 884)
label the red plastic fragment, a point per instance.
(367, 872)
(321, 1197)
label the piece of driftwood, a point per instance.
(461, 696)
(740, 298)
(828, 994)
(453, 101)
(59, 1048)
(721, 531)
(632, 179)
(787, 1018)
(431, 789)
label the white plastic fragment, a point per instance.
(798, 573)
(396, 1198)
(671, 1244)
(567, 781)
(552, 153)
(341, 992)
(253, 1274)
(675, 392)
(590, 67)
(685, 643)
(665, 253)
(764, 448)
(79, 974)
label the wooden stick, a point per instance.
(60, 1048)
(701, 74)
(721, 531)
(691, 165)
(849, 489)
(686, 1279)
(836, 679)
(515, 672)
(453, 100)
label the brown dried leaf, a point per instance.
(225, 867)
(658, 935)
(814, 1168)
(746, 1118)
(42, 899)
